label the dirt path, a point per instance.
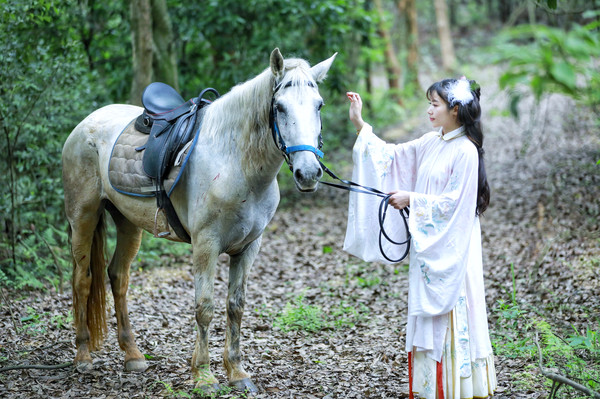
(543, 220)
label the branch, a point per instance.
(37, 366)
(561, 379)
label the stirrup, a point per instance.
(155, 231)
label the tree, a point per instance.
(41, 66)
(443, 26)
(392, 66)
(408, 11)
(153, 50)
(142, 52)
(165, 59)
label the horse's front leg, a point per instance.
(205, 263)
(239, 268)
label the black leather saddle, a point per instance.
(169, 120)
(170, 123)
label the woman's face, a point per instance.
(440, 115)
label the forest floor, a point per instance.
(541, 240)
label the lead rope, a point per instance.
(383, 206)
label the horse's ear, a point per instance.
(319, 71)
(277, 63)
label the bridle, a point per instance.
(347, 184)
(279, 142)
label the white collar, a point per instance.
(453, 134)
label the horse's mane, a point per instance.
(241, 116)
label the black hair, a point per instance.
(469, 115)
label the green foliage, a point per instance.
(311, 30)
(577, 356)
(41, 65)
(511, 337)
(300, 316)
(551, 60)
(37, 324)
(346, 315)
(362, 275)
(223, 391)
(297, 315)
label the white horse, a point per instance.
(226, 196)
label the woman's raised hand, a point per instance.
(355, 111)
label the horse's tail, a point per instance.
(96, 303)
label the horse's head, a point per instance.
(296, 116)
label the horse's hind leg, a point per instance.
(129, 238)
(88, 288)
(239, 268)
(86, 221)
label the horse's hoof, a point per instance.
(208, 390)
(84, 366)
(136, 365)
(244, 385)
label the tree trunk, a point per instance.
(164, 60)
(443, 25)
(408, 8)
(369, 85)
(504, 9)
(141, 40)
(392, 66)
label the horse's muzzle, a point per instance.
(307, 179)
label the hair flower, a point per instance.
(460, 92)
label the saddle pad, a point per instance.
(125, 170)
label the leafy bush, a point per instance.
(41, 64)
(551, 60)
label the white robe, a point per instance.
(445, 258)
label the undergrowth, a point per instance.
(223, 391)
(298, 315)
(574, 354)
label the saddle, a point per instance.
(170, 123)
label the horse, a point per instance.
(225, 198)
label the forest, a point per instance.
(319, 323)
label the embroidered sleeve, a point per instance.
(385, 167)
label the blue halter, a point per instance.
(279, 142)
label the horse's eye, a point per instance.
(320, 106)
(279, 108)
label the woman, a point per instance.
(441, 176)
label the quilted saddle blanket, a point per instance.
(125, 170)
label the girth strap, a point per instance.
(170, 130)
(164, 203)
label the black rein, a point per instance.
(383, 205)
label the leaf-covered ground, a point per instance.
(543, 221)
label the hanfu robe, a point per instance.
(447, 333)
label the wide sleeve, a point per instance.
(441, 227)
(385, 167)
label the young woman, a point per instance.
(441, 176)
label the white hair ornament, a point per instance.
(460, 92)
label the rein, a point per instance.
(383, 206)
